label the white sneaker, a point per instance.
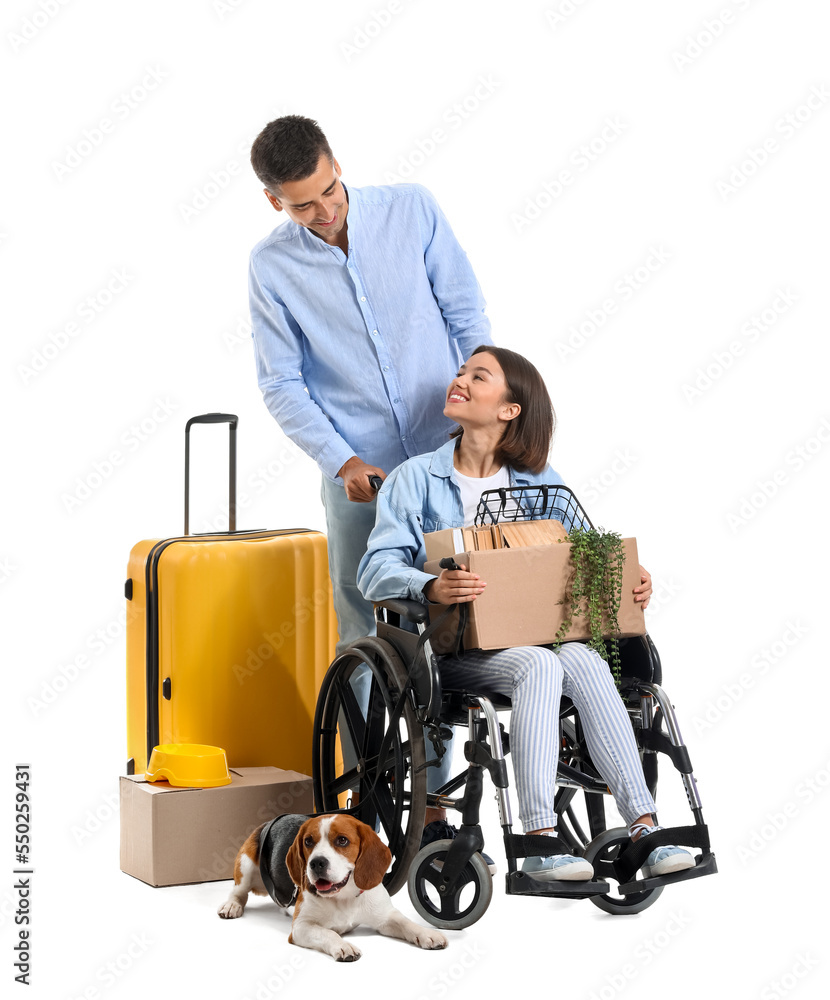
(663, 860)
(558, 867)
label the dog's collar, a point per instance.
(275, 839)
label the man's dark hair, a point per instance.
(288, 149)
(525, 443)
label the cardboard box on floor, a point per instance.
(521, 605)
(172, 836)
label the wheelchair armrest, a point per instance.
(412, 611)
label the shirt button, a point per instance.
(362, 298)
(374, 333)
(397, 401)
(403, 438)
(386, 368)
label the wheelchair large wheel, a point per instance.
(601, 852)
(451, 911)
(354, 707)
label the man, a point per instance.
(363, 306)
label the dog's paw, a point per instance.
(230, 910)
(430, 939)
(346, 952)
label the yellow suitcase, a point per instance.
(229, 636)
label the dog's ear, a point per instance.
(372, 861)
(295, 859)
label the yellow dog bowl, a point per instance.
(189, 765)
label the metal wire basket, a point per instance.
(532, 503)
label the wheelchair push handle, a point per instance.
(448, 563)
(375, 482)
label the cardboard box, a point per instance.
(172, 836)
(521, 605)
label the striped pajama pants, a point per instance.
(535, 678)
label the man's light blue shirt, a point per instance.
(354, 353)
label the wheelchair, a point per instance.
(384, 699)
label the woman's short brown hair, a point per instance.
(525, 444)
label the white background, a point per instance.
(723, 483)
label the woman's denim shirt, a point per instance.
(417, 497)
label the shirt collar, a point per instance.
(441, 465)
(353, 197)
(441, 462)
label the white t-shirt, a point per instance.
(472, 488)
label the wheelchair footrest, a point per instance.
(521, 884)
(632, 857)
(704, 865)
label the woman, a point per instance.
(505, 425)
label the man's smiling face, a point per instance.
(317, 202)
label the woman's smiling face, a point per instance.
(477, 395)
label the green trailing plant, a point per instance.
(596, 591)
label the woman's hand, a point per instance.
(454, 586)
(643, 592)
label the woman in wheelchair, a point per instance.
(505, 425)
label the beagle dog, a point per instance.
(337, 864)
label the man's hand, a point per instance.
(454, 586)
(355, 475)
(643, 592)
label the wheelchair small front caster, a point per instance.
(602, 852)
(430, 897)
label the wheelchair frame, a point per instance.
(449, 882)
(439, 876)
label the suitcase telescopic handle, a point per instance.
(212, 418)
